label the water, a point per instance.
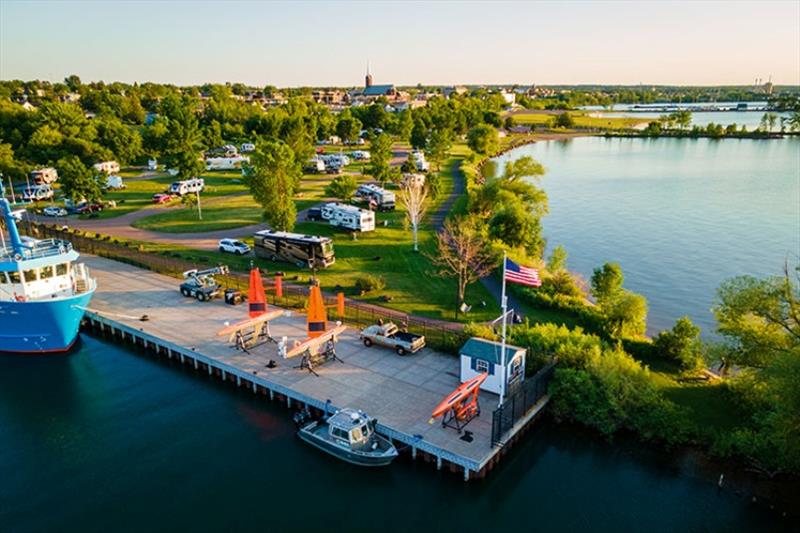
(750, 119)
(109, 440)
(679, 215)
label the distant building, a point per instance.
(330, 97)
(451, 91)
(372, 92)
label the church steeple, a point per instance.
(368, 77)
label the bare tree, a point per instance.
(463, 252)
(413, 197)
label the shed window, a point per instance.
(481, 365)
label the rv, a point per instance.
(338, 160)
(109, 167)
(382, 199)
(187, 186)
(419, 161)
(348, 217)
(37, 192)
(226, 163)
(248, 147)
(303, 250)
(44, 176)
(114, 182)
(152, 164)
(316, 164)
(361, 155)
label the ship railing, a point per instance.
(37, 250)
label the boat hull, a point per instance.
(359, 459)
(46, 326)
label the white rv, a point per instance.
(44, 176)
(382, 199)
(419, 161)
(226, 163)
(361, 155)
(335, 160)
(35, 193)
(152, 164)
(109, 167)
(248, 147)
(315, 164)
(187, 186)
(348, 217)
(114, 182)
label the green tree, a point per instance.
(78, 182)
(9, 166)
(342, 187)
(419, 135)
(380, 157)
(681, 344)
(439, 145)
(563, 120)
(607, 282)
(348, 128)
(183, 140)
(557, 260)
(625, 315)
(273, 178)
(123, 141)
(483, 139)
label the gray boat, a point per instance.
(350, 435)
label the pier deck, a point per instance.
(399, 391)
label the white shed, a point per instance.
(481, 355)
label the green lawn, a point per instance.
(582, 120)
(218, 213)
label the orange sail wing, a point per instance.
(256, 300)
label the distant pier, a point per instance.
(399, 391)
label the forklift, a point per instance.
(201, 284)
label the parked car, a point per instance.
(161, 198)
(232, 246)
(54, 211)
(88, 208)
(315, 213)
(390, 336)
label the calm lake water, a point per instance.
(679, 215)
(110, 440)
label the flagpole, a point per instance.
(504, 304)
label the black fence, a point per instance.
(519, 402)
(445, 336)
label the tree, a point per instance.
(439, 144)
(342, 187)
(524, 167)
(558, 260)
(681, 344)
(380, 157)
(625, 314)
(483, 139)
(78, 182)
(9, 166)
(682, 119)
(124, 142)
(413, 197)
(462, 252)
(272, 179)
(563, 120)
(73, 83)
(419, 135)
(348, 127)
(183, 140)
(607, 282)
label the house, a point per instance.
(330, 97)
(481, 355)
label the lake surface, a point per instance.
(679, 215)
(109, 440)
(750, 119)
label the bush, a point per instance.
(681, 344)
(369, 283)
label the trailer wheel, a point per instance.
(367, 342)
(184, 292)
(400, 350)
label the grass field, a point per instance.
(219, 213)
(582, 120)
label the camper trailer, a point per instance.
(226, 163)
(108, 167)
(152, 164)
(419, 161)
(348, 216)
(44, 176)
(316, 164)
(114, 182)
(35, 193)
(248, 147)
(187, 186)
(382, 199)
(303, 250)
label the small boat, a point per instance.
(350, 435)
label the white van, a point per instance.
(348, 217)
(187, 186)
(37, 192)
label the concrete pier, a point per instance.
(399, 391)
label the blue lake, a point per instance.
(679, 215)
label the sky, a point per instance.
(433, 43)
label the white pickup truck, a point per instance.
(390, 336)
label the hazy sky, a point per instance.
(329, 43)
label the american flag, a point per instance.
(521, 274)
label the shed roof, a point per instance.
(488, 350)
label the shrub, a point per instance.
(370, 283)
(681, 344)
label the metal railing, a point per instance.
(519, 402)
(446, 336)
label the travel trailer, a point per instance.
(114, 182)
(419, 161)
(36, 193)
(44, 176)
(226, 163)
(348, 217)
(382, 199)
(248, 147)
(316, 164)
(303, 250)
(152, 164)
(187, 186)
(109, 167)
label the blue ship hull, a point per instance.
(44, 326)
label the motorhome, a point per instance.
(114, 182)
(248, 147)
(226, 163)
(187, 186)
(382, 199)
(310, 251)
(44, 176)
(108, 167)
(152, 164)
(339, 160)
(361, 155)
(348, 216)
(35, 193)
(315, 164)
